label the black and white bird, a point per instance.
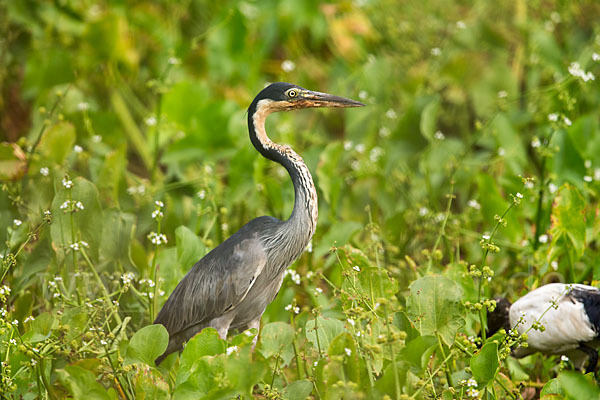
(570, 314)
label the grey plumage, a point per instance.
(231, 286)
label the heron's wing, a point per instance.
(215, 285)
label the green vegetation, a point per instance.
(473, 172)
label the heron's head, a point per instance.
(282, 96)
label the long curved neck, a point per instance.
(304, 215)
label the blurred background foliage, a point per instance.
(138, 101)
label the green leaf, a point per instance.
(277, 338)
(41, 328)
(552, 387)
(338, 235)
(326, 330)
(568, 224)
(57, 142)
(429, 119)
(147, 344)
(577, 386)
(82, 384)
(346, 365)
(434, 306)
(116, 236)
(189, 247)
(484, 364)
(328, 180)
(417, 351)
(205, 343)
(13, 162)
(299, 390)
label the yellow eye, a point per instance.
(292, 93)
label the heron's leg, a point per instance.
(256, 325)
(221, 324)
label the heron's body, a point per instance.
(231, 286)
(570, 314)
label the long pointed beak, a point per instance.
(318, 99)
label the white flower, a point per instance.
(127, 278)
(360, 148)
(309, 248)
(587, 178)
(436, 51)
(553, 117)
(65, 205)
(596, 57)
(564, 358)
(318, 290)
(15, 322)
(77, 148)
(502, 94)
(535, 142)
(13, 341)
(351, 321)
(543, 238)
(486, 237)
(174, 61)
(554, 265)
(30, 318)
(356, 268)
(501, 151)
(472, 382)
(348, 351)
(552, 187)
(576, 70)
(288, 307)
(519, 195)
(157, 213)
(231, 349)
(363, 95)
(45, 171)
(103, 342)
(67, 183)
(201, 194)
(159, 204)
(587, 163)
(529, 185)
(375, 154)
(293, 275)
(224, 226)
(33, 362)
(439, 135)
(474, 204)
(157, 238)
(423, 211)
(384, 131)
(296, 310)
(348, 145)
(83, 106)
(567, 121)
(79, 205)
(17, 222)
(96, 138)
(391, 114)
(460, 25)
(150, 121)
(288, 66)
